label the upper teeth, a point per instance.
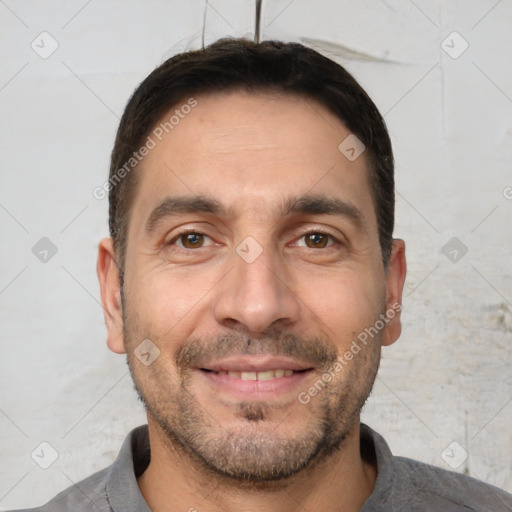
(266, 375)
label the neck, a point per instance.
(341, 482)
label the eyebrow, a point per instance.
(323, 205)
(317, 204)
(181, 205)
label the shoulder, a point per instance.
(114, 487)
(87, 495)
(424, 483)
(405, 484)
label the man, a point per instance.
(251, 278)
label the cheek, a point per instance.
(346, 302)
(164, 299)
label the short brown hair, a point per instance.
(230, 64)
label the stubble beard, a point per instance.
(259, 451)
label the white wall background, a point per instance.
(448, 379)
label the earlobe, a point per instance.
(395, 280)
(108, 276)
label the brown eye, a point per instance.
(191, 240)
(316, 240)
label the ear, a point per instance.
(108, 276)
(395, 279)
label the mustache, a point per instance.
(315, 352)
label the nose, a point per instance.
(256, 296)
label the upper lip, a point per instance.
(254, 363)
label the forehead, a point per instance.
(251, 151)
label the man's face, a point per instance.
(252, 306)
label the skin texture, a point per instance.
(212, 448)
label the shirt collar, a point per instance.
(123, 491)
(374, 448)
(124, 495)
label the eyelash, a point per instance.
(305, 233)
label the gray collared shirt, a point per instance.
(402, 484)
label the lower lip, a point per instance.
(256, 388)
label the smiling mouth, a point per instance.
(252, 375)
